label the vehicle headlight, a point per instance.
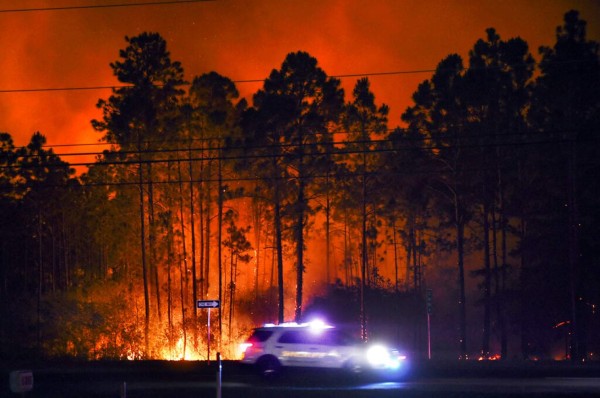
(379, 356)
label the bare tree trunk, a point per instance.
(500, 271)
(327, 231)
(363, 281)
(208, 229)
(299, 227)
(347, 264)
(415, 265)
(230, 285)
(170, 259)
(168, 224)
(394, 243)
(219, 243)
(300, 249)
(40, 283)
(409, 248)
(257, 219)
(502, 303)
(182, 299)
(232, 289)
(193, 237)
(524, 280)
(576, 352)
(184, 261)
(203, 274)
(143, 250)
(279, 248)
(485, 346)
(462, 302)
(152, 242)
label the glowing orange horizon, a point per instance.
(74, 48)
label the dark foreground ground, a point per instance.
(65, 379)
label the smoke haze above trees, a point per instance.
(245, 40)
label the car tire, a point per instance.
(353, 367)
(268, 366)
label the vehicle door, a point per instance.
(299, 347)
(336, 347)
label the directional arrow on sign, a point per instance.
(207, 303)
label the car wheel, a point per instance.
(352, 366)
(268, 366)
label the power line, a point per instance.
(271, 155)
(332, 133)
(400, 72)
(241, 179)
(73, 145)
(239, 81)
(96, 6)
(253, 81)
(422, 138)
(44, 89)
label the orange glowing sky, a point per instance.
(243, 40)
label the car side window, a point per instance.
(325, 337)
(337, 337)
(260, 336)
(293, 337)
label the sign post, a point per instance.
(208, 304)
(428, 301)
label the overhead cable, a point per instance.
(96, 6)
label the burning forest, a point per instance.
(301, 200)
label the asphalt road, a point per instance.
(563, 387)
(182, 380)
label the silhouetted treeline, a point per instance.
(488, 197)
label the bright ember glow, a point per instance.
(178, 352)
(494, 357)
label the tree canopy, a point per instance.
(303, 198)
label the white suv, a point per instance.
(313, 345)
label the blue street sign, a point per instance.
(207, 303)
